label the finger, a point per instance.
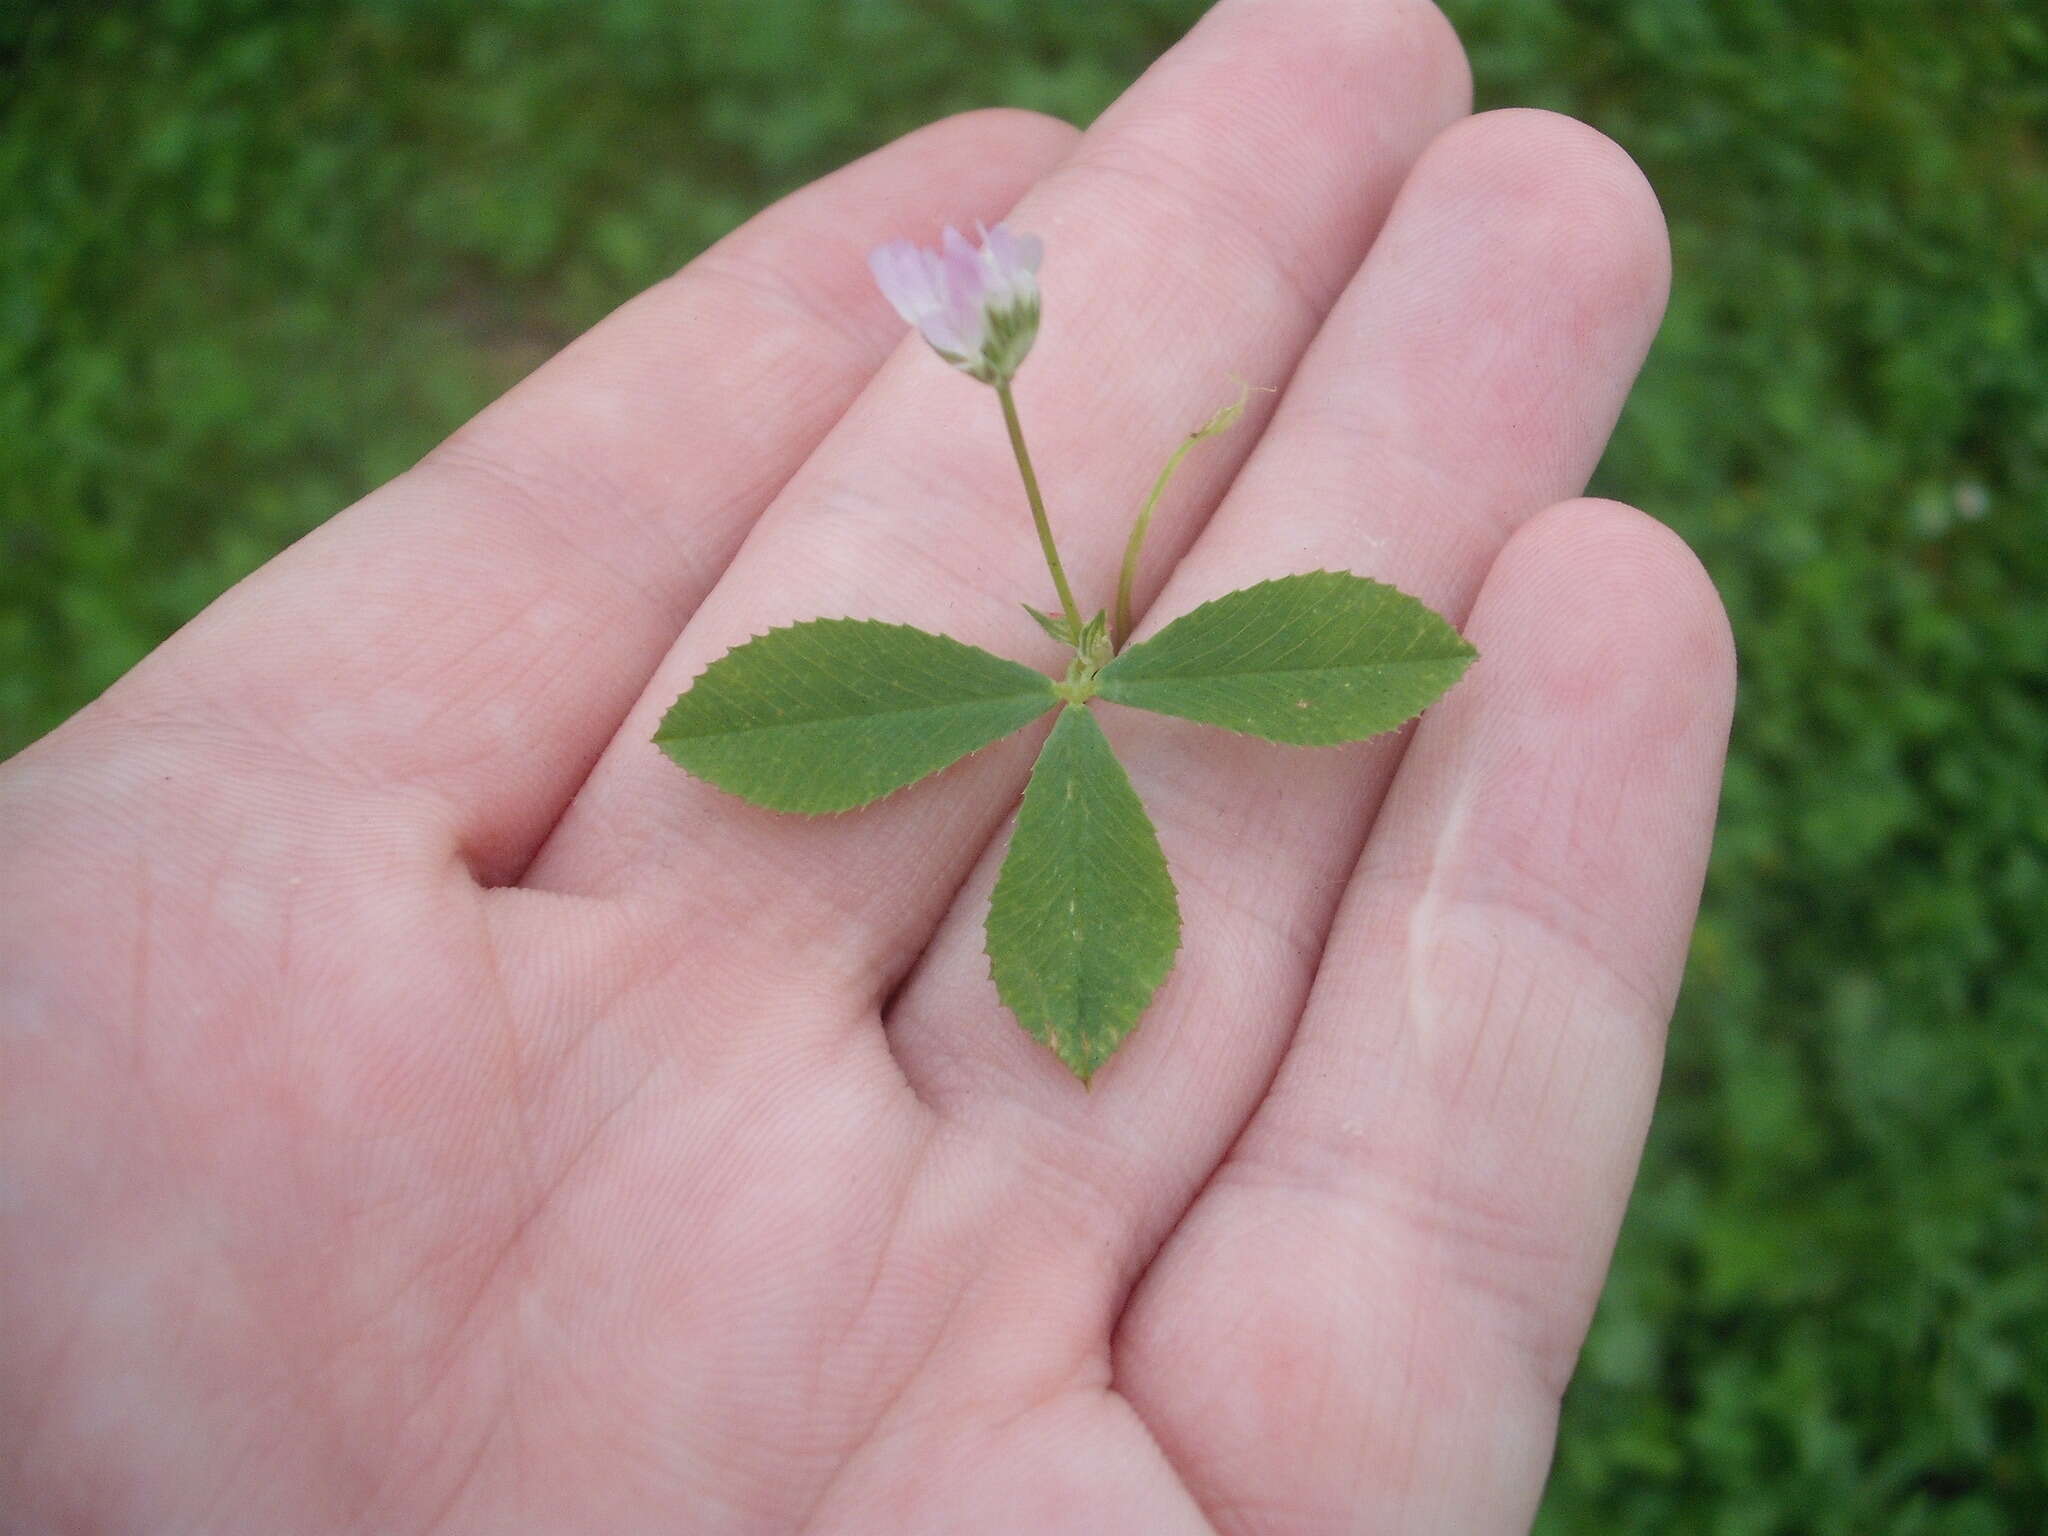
(1201, 229)
(471, 633)
(1470, 375)
(1366, 1321)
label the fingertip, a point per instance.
(1572, 202)
(1342, 45)
(1622, 605)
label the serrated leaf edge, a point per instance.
(661, 739)
(1470, 653)
(1173, 955)
(1051, 698)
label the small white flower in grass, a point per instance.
(977, 307)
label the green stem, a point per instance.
(1031, 492)
(1127, 578)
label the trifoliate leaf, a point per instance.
(1312, 660)
(832, 713)
(1084, 923)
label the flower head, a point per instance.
(977, 307)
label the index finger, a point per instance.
(468, 636)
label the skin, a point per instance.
(424, 1109)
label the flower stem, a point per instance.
(1038, 517)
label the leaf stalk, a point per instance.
(1127, 578)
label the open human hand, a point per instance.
(423, 1109)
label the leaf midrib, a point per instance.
(1109, 678)
(1048, 700)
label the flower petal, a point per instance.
(977, 305)
(903, 276)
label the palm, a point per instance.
(421, 1115)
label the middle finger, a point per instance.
(1469, 376)
(1201, 229)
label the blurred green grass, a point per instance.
(256, 257)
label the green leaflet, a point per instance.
(1084, 923)
(832, 713)
(1312, 660)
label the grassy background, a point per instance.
(256, 256)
